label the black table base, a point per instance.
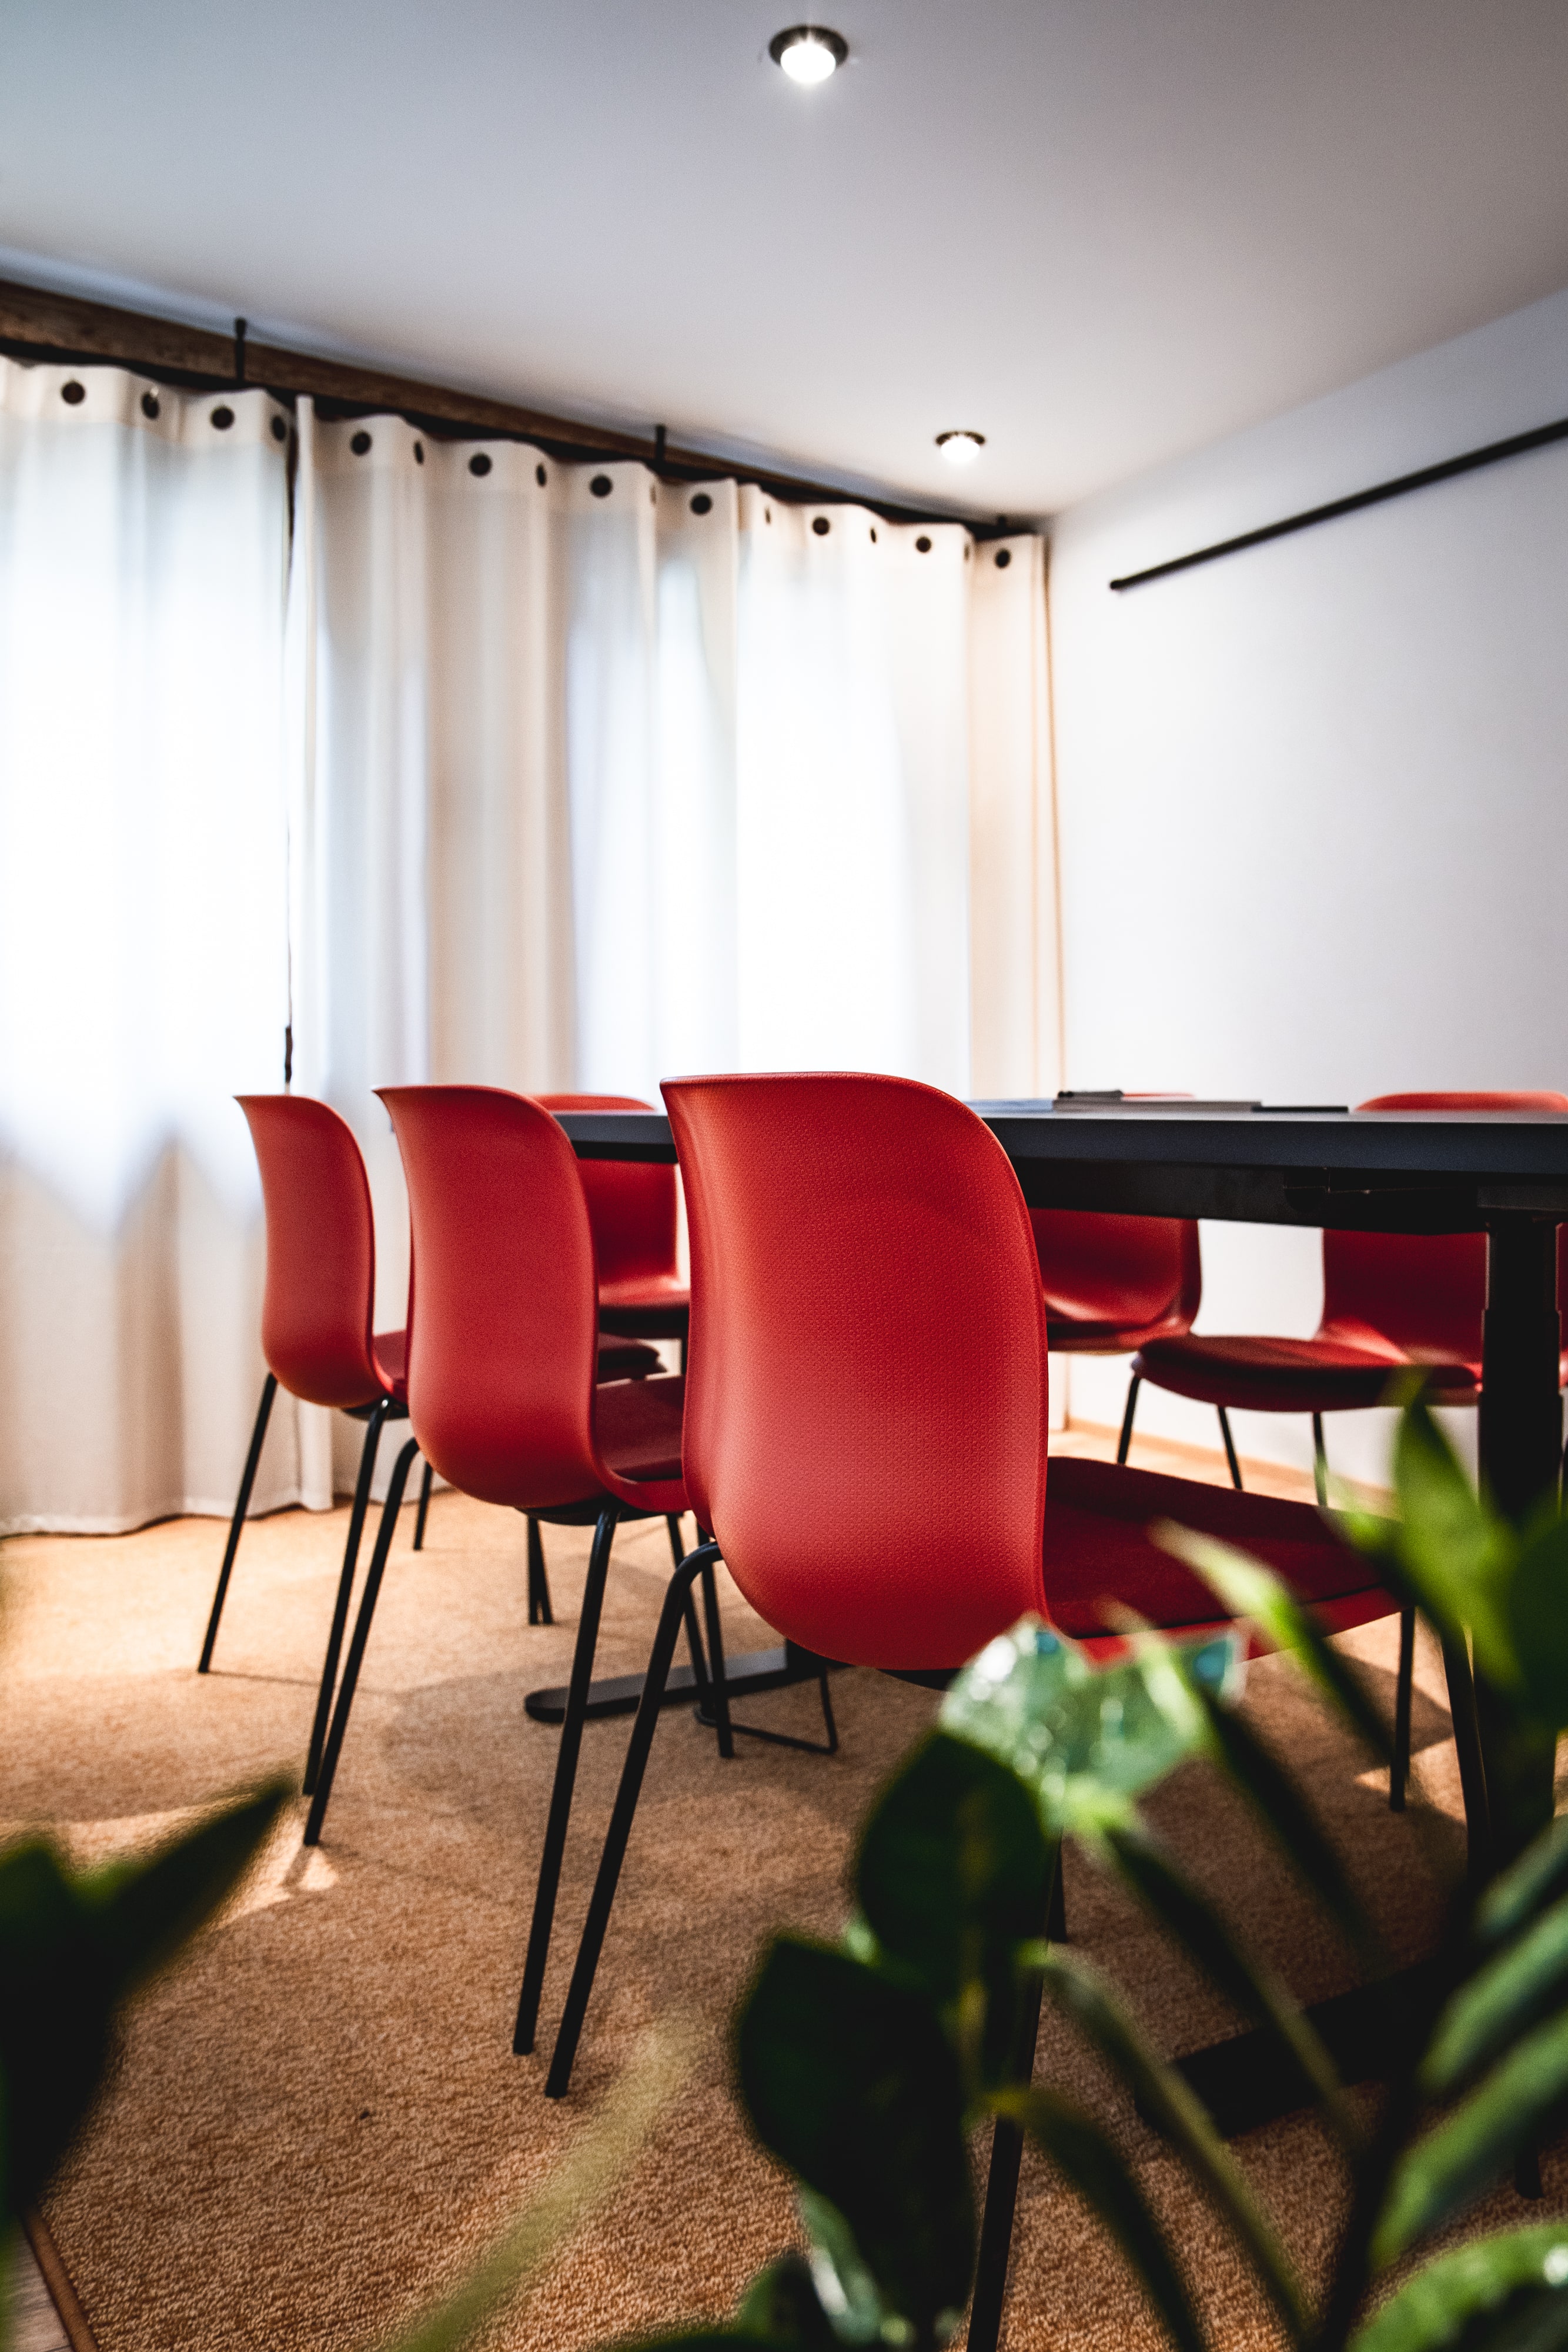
(1255, 2078)
(744, 1678)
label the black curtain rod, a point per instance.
(1492, 455)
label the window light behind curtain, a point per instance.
(587, 778)
(142, 948)
(612, 778)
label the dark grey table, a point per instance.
(1381, 1171)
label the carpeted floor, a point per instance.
(317, 2121)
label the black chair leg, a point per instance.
(620, 1829)
(424, 1510)
(1001, 2201)
(1229, 1448)
(247, 1480)
(1400, 1768)
(373, 1428)
(718, 1700)
(1125, 1440)
(565, 1779)
(1320, 1462)
(1473, 1766)
(334, 1748)
(540, 1610)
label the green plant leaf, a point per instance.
(1188, 1915)
(1468, 2151)
(1457, 1553)
(1516, 1894)
(1084, 1741)
(73, 1946)
(1501, 2000)
(857, 2311)
(1289, 1820)
(851, 2081)
(1508, 2288)
(1094, 2168)
(780, 2307)
(1535, 1609)
(952, 1864)
(1251, 1591)
(1085, 1997)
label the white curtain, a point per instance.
(144, 540)
(612, 778)
(585, 779)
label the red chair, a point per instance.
(1389, 1300)
(632, 1214)
(504, 1395)
(1113, 1284)
(632, 1209)
(316, 1334)
(865, 1427)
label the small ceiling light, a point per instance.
(960, 448)
(808, 53)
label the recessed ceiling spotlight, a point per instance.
(808, 53)
(960, 448)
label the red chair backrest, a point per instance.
(320, 1251)
(1426, 1293)
(866, 1428)
(630, 1203)
(1101, 1269)
(504, 1306)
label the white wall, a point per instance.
(1313, 797)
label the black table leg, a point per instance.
(1521, 1459)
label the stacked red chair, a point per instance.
(504, 1394)
(866, 1429)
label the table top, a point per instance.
(1418, 1171)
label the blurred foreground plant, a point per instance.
(74, 1946)
(863, 2066)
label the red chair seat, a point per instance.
(619, 1359)
(1276, 1375)
(1079, 1336)
(638, 1424)
(391, 1361)
(656, 1303)
(1097, 1550)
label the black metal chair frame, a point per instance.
(375, 1417)
(603, 1515)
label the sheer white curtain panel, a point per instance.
(611, 778)
(143, 538)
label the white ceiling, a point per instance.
(1101, 231)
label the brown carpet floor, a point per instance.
(317, 2122)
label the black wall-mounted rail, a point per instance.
(1492, 455)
